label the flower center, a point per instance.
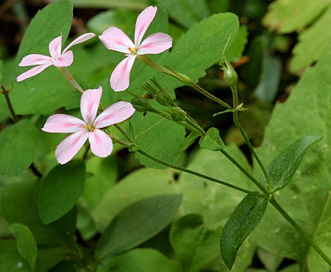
(133, 50)
(89, 128)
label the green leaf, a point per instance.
(186, 12)
(137, 223)
(307, 197)
(52, 21)
(10, 259)
(199, 48)
(132, 4)
(282, 169)
(235, 51)
(18, 144)
(140, 260)
(152, 128)
(195, 246)
(26, 243)
(241, 223)
(212, 140)
(60, 191)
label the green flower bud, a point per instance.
(141, 104)
(177, 114)
(230, 75)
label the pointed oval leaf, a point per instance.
(18, 146)
(241, 223)
(212, 140)
(60, 191)
(26, 244)
(283, 167)
(137, 223)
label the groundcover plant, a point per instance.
(167, 136)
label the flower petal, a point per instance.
(143, 21)
(120, 78)
(115, 39)
(155, 44)
(32, 72)
(89, 104)
(63, 123)
(114, 114)
(64, 60)
(101, 144)
(55, 47)
(80, 39)
(70, 146)
(35, 59)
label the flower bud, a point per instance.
(230, 75)
(177, 114)
(141, 104)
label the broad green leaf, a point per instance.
(212, 140)
(306, 52)
(241, 223)
(195, 246)
(282, 169)
(152, 128)
(60, 190)
(140, 184)
(140, 260)
(52, 21)
(18, 144)
(54, 240)
(287, 16)
(122, 18)
(10, 259)
(132, 4)
(199, 48)
(186, 12)
(235, 51)
(310, 18)
(26, 244)
(137, 223)
(306, 198)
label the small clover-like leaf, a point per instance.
(212, 140)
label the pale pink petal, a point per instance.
(89, 104)
(114, 114)
(63, 123)
(35, 59)
(78, 40)
(155, 44)
(32, 72)
(70, 146)
(101, 144)
(115, 39)
(143, 21)
(55, 47)
(120, 78)
(64, 60)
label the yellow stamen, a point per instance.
(133, 51)
(89, 127)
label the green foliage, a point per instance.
(18, 146)
(307, 197)
(26, 244)
(241, 223)
(282, 169)
(133, 4)
(10, 259)
(212, 140)
(60, 190)
(309, 18)
(136, 224)
(195, 246)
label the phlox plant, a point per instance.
(62, 207)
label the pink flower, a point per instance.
(57, 58)
(88, 128)
(115, 39)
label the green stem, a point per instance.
(182, 169)
(9, 104)
(300, 231)
(245, 136)
(65, 72)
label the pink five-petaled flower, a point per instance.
(115, 39)
(88, 128)
(57, 58)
